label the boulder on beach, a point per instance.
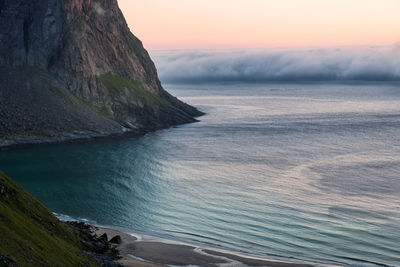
(103, 237)
(116, 240)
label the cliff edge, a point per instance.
(72, 68)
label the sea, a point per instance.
(298, 171)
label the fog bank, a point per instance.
(280, 64)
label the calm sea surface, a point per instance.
(308, 171)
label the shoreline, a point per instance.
(8, 144)
(159, 252)
(83, 137)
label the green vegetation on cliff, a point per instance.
(30, 235)
(116, 85)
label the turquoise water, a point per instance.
(310, 172)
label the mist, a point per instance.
(378, 63)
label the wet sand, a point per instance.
(149, 254)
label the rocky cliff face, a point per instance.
(72, 67)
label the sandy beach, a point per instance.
(140, 253)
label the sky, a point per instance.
(217, 24)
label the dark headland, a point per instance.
(72, 69)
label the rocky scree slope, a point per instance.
(72, 68)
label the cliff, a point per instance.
(72, 68)
(30, 235)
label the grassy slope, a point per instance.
(116, 84)
(31, 235)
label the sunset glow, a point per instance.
(190, 24)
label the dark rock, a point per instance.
(104, 260)
(97, 247)
(116, 240)
(100, 247)
(6, 192)
(73, 68)
(103, 238)
(7, 262)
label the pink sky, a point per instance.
(212, 24)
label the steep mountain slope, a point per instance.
(71, 68)
(30, 235)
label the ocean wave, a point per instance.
(372, 63)
(67, 218)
